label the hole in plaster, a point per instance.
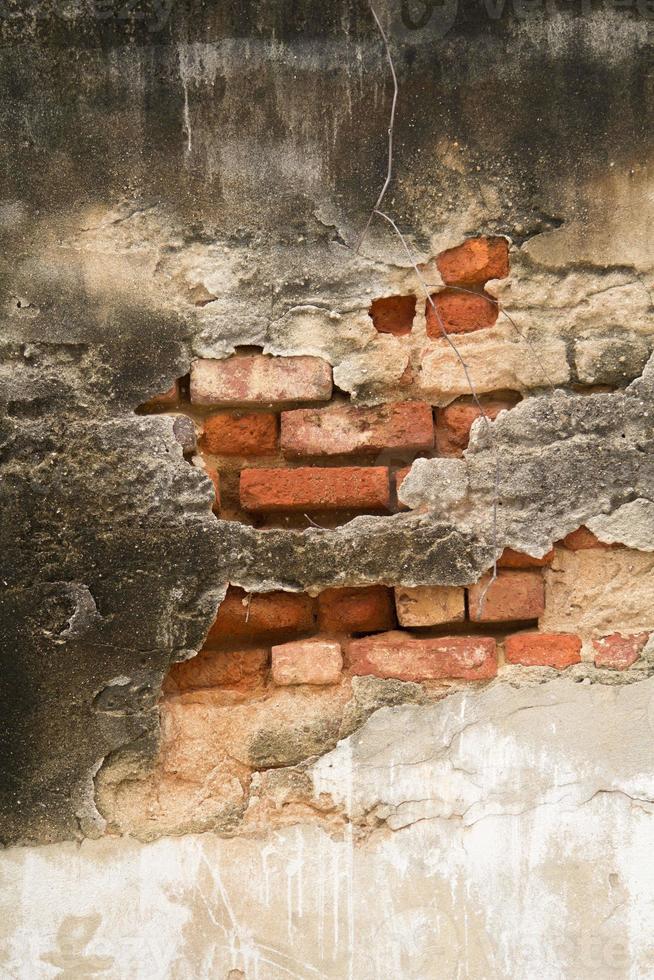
(393, 314)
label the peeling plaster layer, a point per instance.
(523, 844)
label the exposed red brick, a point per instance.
(314, 661)
(239, 670)
(582, 539)
(618, 651)
(346, 429)
(407, 658)
(214, 476)
(474, 262)
(166, 398)
(251, 615)
(393, 314)
(361, 610)
(315, 488)
(454, 422)
(558, 650)
(459, 312)
(516, 559)
(241, 434)
(259, 379)
(513, 595)
(398, 477)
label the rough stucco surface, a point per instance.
(506, 834)
(187, 184)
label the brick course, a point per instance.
(558, 650)
(315, 488)
(513, 595)
(347, 429)
(315, 661)
(404, 657)
(240, 434)
(250, 615)
(430, 605)
(259, 379)
(460, 312)
(617, 651)
(360, 610)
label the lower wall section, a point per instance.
(522, 846)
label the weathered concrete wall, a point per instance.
(182, 183)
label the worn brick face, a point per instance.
(583, 539)
(454, 422)
(240, 434)
(393, 314)
(404, 657)
(316, 661)
(315, 488)
(558, 650)
(242, 615)
(430, 605)
(475, 262)
(360, 610)
(618, 651)
(459, 312)
(347, 429)
(241, 671)
(516, 559)
(259, 379)
(513, 595)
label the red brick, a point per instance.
(241, 434)
(258, 379)
(459, 312)
(214, 476)
(393, 314)
(454, 422)
(558, 650)
(407, 658)
(245, 615)
(239, 670)
(166, 398)
(513, 595)
(346, 429)
(307, 662)
(315, 488)
(474, 262)
(516, 559)
(398, 478)
(583, 539)
(361, 610)
(618, 651)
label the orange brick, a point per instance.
(617, 651)
(407, 658)
(474, 262)
(315, 488)
(582, 539)
(214, 476)
(252, 615)
(347, 429)
(393, 314)
(558, 650)
(241, 434)
(454, 422)
(516, 559)
(259, 379)
(512, 596)
(361, 610)
(398, 477)
(459, 312)
(166, 398)
(238, 670)
(314, 661)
